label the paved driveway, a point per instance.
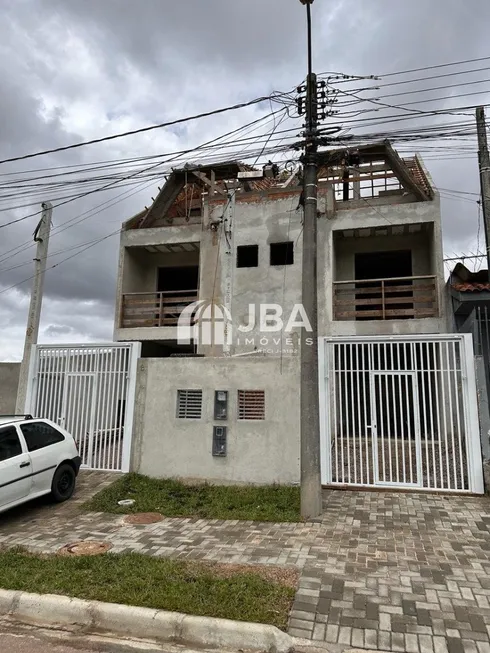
(394, 571)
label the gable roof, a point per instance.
(184, 186)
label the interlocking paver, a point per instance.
(382, 567)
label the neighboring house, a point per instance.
(228, 410)
(469, 297)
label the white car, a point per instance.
(36, 457)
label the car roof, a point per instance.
(10, 419)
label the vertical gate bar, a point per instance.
(430, 387)
(387, 414)
(444, 414)
(98, 444)
(103, 431)
(49, 394)
(422, 370)
(42, 411)
(129, 373)
(451, 415)
(101, 406)
(359, 420)
(402, 380)
(372, 410)
(461, 444)
(77, 406)
(59, 384)
(49, 397)
(117, 435)
(438, 412)
(114, 429)
(99, 382)
(112, 423)
(107, 415)
(348, 409)
(341, 405)
(43, 389)
(394, 434)
(353, 411)
(126, 434)
(410, 380)
(40, 383)
(365, 398)
(335, 353)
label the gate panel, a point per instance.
(401, 412)
(396, 429)
(90, 391)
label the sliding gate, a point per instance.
(400, 412)
(89, 390)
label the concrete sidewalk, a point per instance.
(394, 571)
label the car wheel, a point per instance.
(63, 484)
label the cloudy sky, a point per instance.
(73, 71)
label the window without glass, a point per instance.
(39, 435)
(9, 443)
(189, 404)
(282, 253)
(251, 404)
(247, 256)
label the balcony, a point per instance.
(398, 298)
(155, 309)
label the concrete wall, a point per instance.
(9, 381)
(347, 248)
(259, 452)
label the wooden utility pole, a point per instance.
(311, 489)
(41, 237)
(484, 161)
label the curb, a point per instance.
(142, 623)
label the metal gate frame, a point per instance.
(469, 396)
(60, 393)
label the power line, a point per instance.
(144, 129)
(443, 65)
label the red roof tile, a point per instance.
(472, 287)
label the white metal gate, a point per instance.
(89, 390)
(400, 412)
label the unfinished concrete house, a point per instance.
(228, 237)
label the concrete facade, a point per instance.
(9, 381)
(258, 451)
(260, 356)
(263, 218)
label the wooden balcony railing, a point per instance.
(155, 309)
(397, 298)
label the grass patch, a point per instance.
(276, 503)
(135, 579)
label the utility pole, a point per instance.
(484, 161)
(41, 237)
(311, 489)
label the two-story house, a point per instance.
(230, 238)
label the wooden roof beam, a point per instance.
(401, 171)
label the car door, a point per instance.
(42, 440)
(15, 467)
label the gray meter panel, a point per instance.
(221, 404)
(219, 440)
